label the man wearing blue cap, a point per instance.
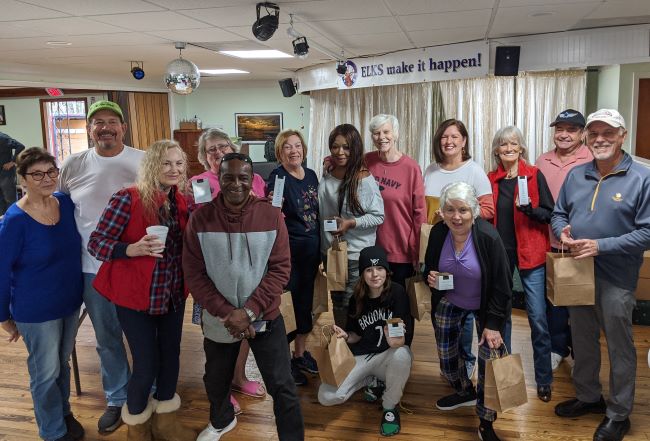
(90, 178)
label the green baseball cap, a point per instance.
(105, 105)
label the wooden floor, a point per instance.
(355, 420)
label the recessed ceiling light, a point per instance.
(222, 71)
(58, 43)
(541, 14)
(271, 53)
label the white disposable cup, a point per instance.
(160, 231)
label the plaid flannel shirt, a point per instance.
(167, 279)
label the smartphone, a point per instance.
(201, 190)
(330, 225)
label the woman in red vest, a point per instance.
(142, 275)
(523, 227)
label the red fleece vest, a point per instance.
(532, 236)
(127, 282)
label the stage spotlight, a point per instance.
(265, 27)
(300, 47)
(137, 73)
(341, 67)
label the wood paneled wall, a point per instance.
(147, 115)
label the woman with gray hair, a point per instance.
(469, 248)
(400, 181)
(523, 227)
(214, 144)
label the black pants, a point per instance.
(305, 258)
(401, 272)
(273, 360)
(155, 344)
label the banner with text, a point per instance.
(465, 60)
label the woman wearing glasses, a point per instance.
(40, 243)
(214, 144)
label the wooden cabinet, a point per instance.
(189, 141)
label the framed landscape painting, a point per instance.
(258, 127)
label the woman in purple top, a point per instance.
(470, 249)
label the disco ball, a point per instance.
(182, 76)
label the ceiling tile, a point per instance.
(228, 16)
(618, 8)
(407, 7)
(70, 26)
(96, 7)
(151, 21)
(13, 10)
(200, 4)
(21, 29)
(359, 26)
(196, 35)
(518, 20)
(511, 3)
(373, 44)
(434, 37)
(446, 20)
(335, 9)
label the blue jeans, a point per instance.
(110, 347)
(466, 340)
(49, 345)
(7, 192)
(534, 282)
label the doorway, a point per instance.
(64, 126)
(642, 147)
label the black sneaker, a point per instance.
(486, 432)
(374, 391)
(575, 408)
(298, 377)
(390, 424)
(306, 363)
(75, 429)
(454, 401)
(110, 420)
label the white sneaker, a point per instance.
(212, 434)
(556, 359)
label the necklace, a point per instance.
(40, 215)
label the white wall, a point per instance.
(216, 104)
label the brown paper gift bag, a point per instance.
(505, 385)
(419, 296)
(334, 358)
(321, 294)
(425, 230)
(288, 314)
(337, 265)
(569, 281)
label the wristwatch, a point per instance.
(250, 314)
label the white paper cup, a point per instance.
(161, 232)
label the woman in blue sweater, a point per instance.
(40, 244)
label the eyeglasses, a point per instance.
(221, 148)
(230, 156)
(39, 175)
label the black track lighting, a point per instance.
(300, 47)
(265, 27)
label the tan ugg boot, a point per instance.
(165, 426)
(139, 426)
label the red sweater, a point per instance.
(127, 282)
(532, 236)
(402, 189)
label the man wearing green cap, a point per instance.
(90, 178)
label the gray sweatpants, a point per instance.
(392, 366)
(616, 322)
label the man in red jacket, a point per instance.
(236, 262)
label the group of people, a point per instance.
(133, 238)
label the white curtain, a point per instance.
(412, 104)
(540, 97)
(483, 105)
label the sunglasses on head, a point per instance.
(240, 156)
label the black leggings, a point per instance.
(305, 258)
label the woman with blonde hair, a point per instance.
(300, 209)
(214, 144)
(142, 275)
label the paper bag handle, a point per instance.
(495, 354)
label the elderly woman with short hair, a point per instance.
(470, 249)
(214, 144)
(300, 209)
(524, 230)
(402, 189)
